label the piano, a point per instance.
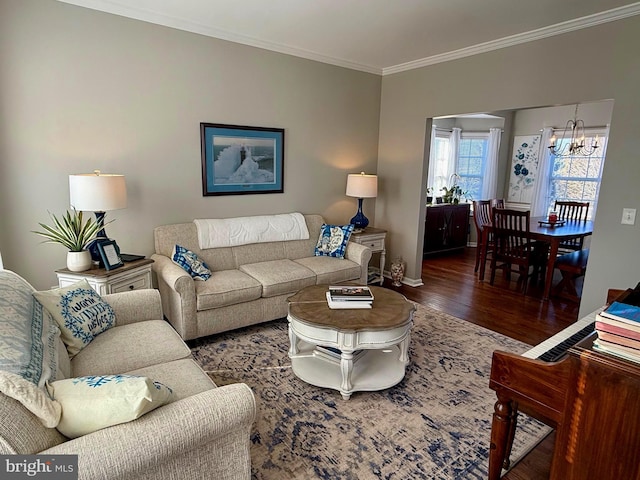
(590, 398)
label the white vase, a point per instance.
(79, 261)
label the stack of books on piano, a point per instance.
(618, 329)
(343, 296)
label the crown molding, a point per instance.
(545, 32)
(113, 7)
(149, 16)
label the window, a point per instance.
(441, 157)
(472, 156)
(578, 178)
(469, 164)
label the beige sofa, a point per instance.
(203, 433)
(249, 283)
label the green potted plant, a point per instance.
(73, 233)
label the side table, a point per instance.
(373, 238)
(134, 275)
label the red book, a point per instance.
(616, 323)
(618, 330)
(619, 340)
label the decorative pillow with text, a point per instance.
(80, 313)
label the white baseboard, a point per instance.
(412, 282)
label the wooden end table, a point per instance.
(349, 350)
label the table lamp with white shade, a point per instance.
(361, 185)
(97, 192)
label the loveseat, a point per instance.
(249, 283)
(203, 432)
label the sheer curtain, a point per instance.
(454, 147)
(540, 200)
(490, 183)
(433, 160)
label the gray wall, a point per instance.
(525, 76)
(83, 90)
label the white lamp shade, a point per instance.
(97, 192)
(361, 185)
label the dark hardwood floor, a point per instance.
(451, 286)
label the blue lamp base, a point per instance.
(100, 236)
(359, 221)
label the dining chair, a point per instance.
(497, 203)
(513, 246)
(481, 218)
(571, 211)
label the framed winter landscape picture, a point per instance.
(238, 160)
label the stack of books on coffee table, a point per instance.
(349, 297)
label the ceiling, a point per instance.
(376, 36)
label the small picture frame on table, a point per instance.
(110, 254)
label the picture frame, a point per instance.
(240, 160)
(110, 254)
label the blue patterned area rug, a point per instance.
(435, 424)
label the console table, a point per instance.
(132, 276)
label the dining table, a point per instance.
(552, 234)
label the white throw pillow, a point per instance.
(95, 402)
(80, 313)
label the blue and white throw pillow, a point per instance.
(191, 263)
(28, 347)
(333, 240)
(80, 313)
(96, 402)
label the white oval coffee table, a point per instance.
(349, 350)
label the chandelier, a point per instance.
(576, 146)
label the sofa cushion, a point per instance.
(129, 347)
(330, 270)
(99, 401)
(80, 313)
(226, 288)
(185, 377)
(190, 263)
(280, 276)
(333, 240)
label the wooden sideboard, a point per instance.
(446, 228)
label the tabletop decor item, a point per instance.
(361, 185)
(110, 254)
(73, 233)
(99, 193)
(397, 271)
